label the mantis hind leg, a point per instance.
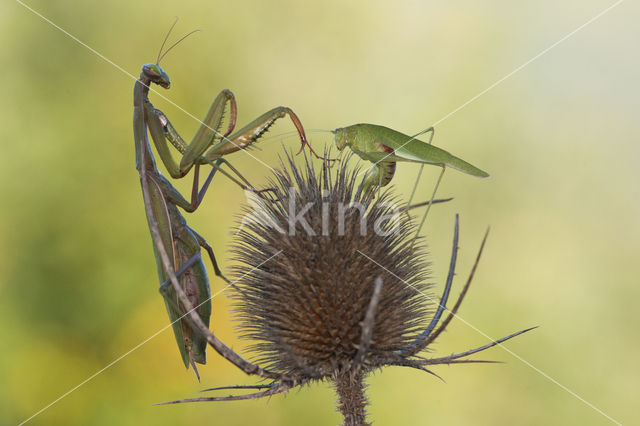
(189, 263)
(203, 243)
(192, 349)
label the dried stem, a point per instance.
(352, 401)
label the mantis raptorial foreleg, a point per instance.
(208, 144)
(159, 129)
(209, 129)
(230, 143)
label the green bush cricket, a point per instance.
(384, 147)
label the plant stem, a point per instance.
(352, 401)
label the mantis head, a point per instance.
(156, 75)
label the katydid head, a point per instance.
(340, 138)
(156, 75)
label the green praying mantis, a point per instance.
(176, 245)
(384, 147)
(180, 243)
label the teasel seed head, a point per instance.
(304, 287)
(308, 265)
(331, 283)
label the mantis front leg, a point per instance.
(162, 130)
(202, 149)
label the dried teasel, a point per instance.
(330, 284)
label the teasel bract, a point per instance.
(330, 284)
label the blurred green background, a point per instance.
(78, 284)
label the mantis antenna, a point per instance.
(162, 55)
(166, 37)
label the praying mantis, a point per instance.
(176, 245)
(180, 242)
(174, 242)
(384, 147)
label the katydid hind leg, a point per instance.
(433, 195)
(415, 184)
(431, 132)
